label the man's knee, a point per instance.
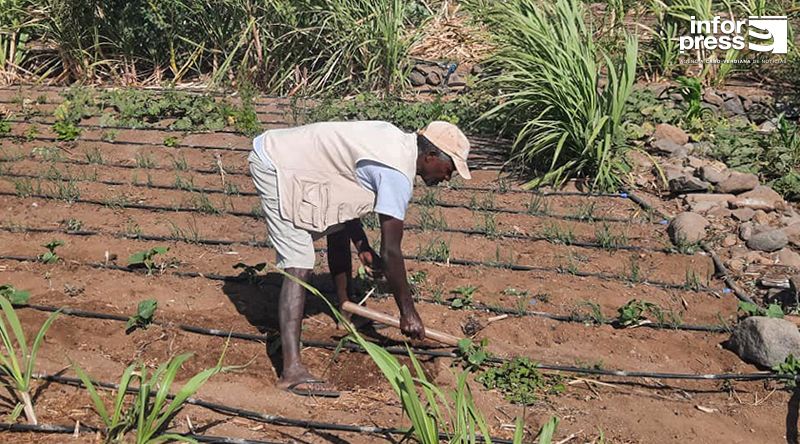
(300, 273)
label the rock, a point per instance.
(667, 146)
(793, 233)
(745, 231)
(729, 240)
(771, 240)
(743, 214)
(755, 257)
(670, 172)
(425, 68)
(476, 70)
(416, 78)
(687, 227)
(691, 161)
(687, 184)
(765, 341)
(760, 217)
(671, 133)
(733, 107)
(709, 96)
(712, 174)
(455, 80)
(700, 203)
(760, 198)
(703, 148)
(737, 182)
(719, 213)
(433, 78)
(788, 257)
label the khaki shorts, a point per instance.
(294, 246)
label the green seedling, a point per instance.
(537, 205)
(144, 160)
(520, 381)
(146, 258)
(17, 360)
(790, 366)
(692, 280)
(95, 156)
(511, 291)
(586, 211)
(589, 312)
(67, 191)
(203, 204)
(558, 235)
(634, 311)
(30, 133)
(184, 184)
(488, 225)
(437, 250)
(180, 163)
(50, 257)
(417, 280)
(11, 294)
(472, 354)
(143, 317)
(250, 272)
(465, 294)
(430, 198)
(430, 221)
(109, 136)
(66, 131)
(148, 417)
(608, 240)
(231, 189)
(171, 142)
(634, 271)
(5, 127)
(772, 311)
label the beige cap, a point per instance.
(448, 138)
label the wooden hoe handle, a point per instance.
(384, 318)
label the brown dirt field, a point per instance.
(624, 410)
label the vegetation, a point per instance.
(146, 258)
(772, 311)
(14, 296)
(465, 293)
(17, 360)
(473, 354)
(50, 256)
(789, 367)
(520, 381)
(143, 317)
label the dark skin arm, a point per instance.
(394, 268)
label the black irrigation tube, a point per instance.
(191, 90)
(449, 261)
(149, 128)
(247, 174)
(589, 219)
(261, 417)
(721, 270)
(403, 351)
(61, 429)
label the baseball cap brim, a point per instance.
(461, 167)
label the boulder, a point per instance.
(759, 198)
(456, 80)
(788, 257)
(713, 174)
(671, 133)
(688, 184)
(733, 107)
(666, 146)
(743, 214)
(770, 240)
(416, 78)
(746, 231)
(765, 341)
(737, 182)
(433, 78)
(687, 227)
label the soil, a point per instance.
(623, 410)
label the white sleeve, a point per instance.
(391, 187)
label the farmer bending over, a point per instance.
(318, 180)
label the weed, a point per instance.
(190, 234)
(184, 184)
(430, 198)
(748, 309)
(145, 258)
(30, 133)
(634, 311)
(171, 141)
(144, 160)
(437, 294)
(23, 187)
(608, 240)
(484, 203)
(586, 211)
(258, 211)
(558, 235)
(143, 317)
(5, 127)
(465, 294)
(180, 163)
(437, 250)
(109, 135)
(692, 280)
(18, 361)
(790, 366)
(511, 291)
(634, 271)
(50, 256)
(429, 221)
(683, 246)
(95, 156)
(231, 189)
(14, 296)
(488, 226)
(520, 381)
(472, 354)
(203, 204)
(48, 154)
(589, 310)
(67, 191)
(417, 281)
(66, 131)
(72, 224)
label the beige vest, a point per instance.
(316, 168)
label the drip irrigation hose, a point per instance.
(403, 351)
(437, 203)
(721, 270)
(155, 128)
(448, 261)
(61, 429)
(261, 417)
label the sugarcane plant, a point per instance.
(17, 360)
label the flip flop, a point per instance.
(293, 388)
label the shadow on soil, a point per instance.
(792, 417)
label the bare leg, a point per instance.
(340, 264)
(290, 313)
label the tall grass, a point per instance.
(567, 123)
(282, 46)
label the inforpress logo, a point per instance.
(757, 33)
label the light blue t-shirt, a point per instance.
(391, 187)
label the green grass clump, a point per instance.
(520, 381)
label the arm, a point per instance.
(366, 254)
(395, 272)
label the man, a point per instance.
(318, 180)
